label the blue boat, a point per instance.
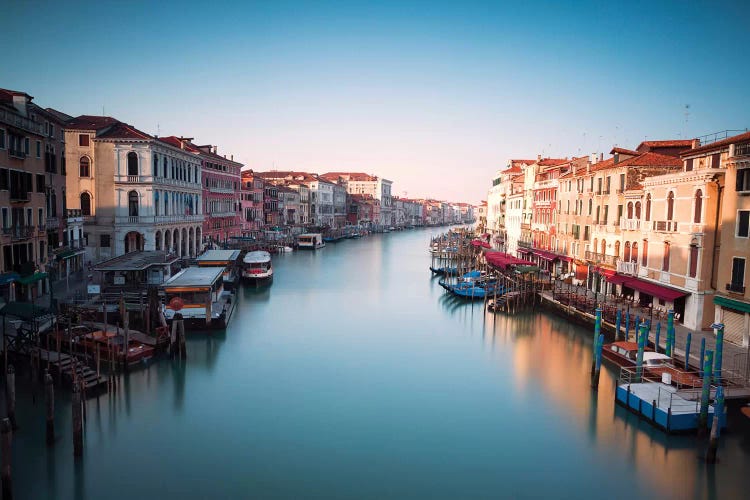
(442, 271)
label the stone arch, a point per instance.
(157, 240)
(132, 163)
(167, 240)
(133, 241)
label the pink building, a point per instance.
(252, 192)
(221, 191)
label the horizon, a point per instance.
(433, 96)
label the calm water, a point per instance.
(354, 376)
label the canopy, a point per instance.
(502, 260)
(479, 243)
(6, 278)
(545, 254)
(732, 304)
(662, 292)
(28, 280)
(617, 279)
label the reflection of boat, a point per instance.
(257, 267)
(444, 270)
(624, 354)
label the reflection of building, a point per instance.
(134, 191)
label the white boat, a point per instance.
(310, 241)
(257, 267)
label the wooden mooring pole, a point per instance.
(49, 400)
(10, 395)
(597, 363)
(6, 431)
(77, 422)
(597, 331)
(708, 360)
(713, 442)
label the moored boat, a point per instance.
(198, 294)
(257, 267)
(624, 354)
(310, 241)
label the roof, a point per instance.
(647, 355)
(676, 143)
(188, 145)
(90, 122)
(651, 160)
(219, 256)
(195, 277)
(548, 162)
(8, 95)
(136, 261)
(257, 257)
(624, 151)
(124, 131)
(349, 176)
(718, 144)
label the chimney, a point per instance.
(601, 156)
(538, 158)
(231, 157)
(696, 143)
(592, 158)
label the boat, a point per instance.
(655, 364)
(257, 267)
(198, 294)
(228, 259)
(441, 271)
(310, 241)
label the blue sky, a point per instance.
(433, 95)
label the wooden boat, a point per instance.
(257, 267)
(624, 354)
(90, 340)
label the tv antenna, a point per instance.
(687, 117)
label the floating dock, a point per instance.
(664, 406)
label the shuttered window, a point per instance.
(734, 325)
(689, 165)
(738, 272)
(716, 160)
(743, 223)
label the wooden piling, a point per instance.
(183, 347)
(713, 442)
(10, 395)
(687, 350)
(49, 400)
(597, 331)
(708, 360)
(6, 434)
(597, 363)
(77, 422)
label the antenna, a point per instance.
(687, 117)
(158, 130)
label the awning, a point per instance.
(69, 253)
(603, 271)
(6, 278)
(479, 243)
(28, 280)
(523, 250)
(617, 279)
(662, 292)
(565, 258)
(731, 304)
(503, 260)
(545, 254)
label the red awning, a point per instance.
(546, 255)
(503, 260)
(661, 292)
(617, 279)
(603, 271)
(479, 243)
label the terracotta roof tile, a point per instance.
(548, 162)
(624, 151)
(651, 160)
(675, 143)
(718, 144)
(123, 131)
(91, 122)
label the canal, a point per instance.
(354, 376)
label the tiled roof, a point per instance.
(91, 122)
(676, 143)
(548, 162)
(124, 131)
(7, 94)
(718, 144)
(624, 151)
(514, 169)
(350, 176)
(651, 160)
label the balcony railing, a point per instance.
(52, 222)
(601, 258)
(735, 288)
(17, 153)
(11, 118)
(223, 190)
(141, 179)
(158, 219)
(665, 226)
(19, 232)
(630, 224)
(524, 244)
(627, 267)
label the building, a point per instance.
(361, 183)
(24, 142)
(221, 191)
(363, 210)
(290, 202)
(251, 205)
(134, 191)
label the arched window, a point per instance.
(133, 204)
(84, 167)
(156, 165)
(630, 210)
(604, 247)
(85, 204)
(648, 207)
(698, 206)
(634, 252)
(665, 263)
(626, 253)
(595, 248)
(617, 248)
(132, 163)
(156, 203)
(52, 210)
(164, 164)
(638, 210)
(670, 205)
(644, 255)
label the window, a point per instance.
(626, 253)
(26, 145)
(670, 206)
(622, 182)
(156, 166)
(606, 214)
(617, 248)
(630, 210)
(104, 241)
(608, 184)
(132, 163)
(634, 252)
(698, 206)
(689, 165)
(693, 269)
(83, 140)
(644, 255)
(587, 233)
(85, 204)
(743, 179)
(2, 138)
(738, 274)
(716, 160)
(648, 207)
(604, 247)
(39, 183)
(41, 217)
(665, 263)
(638, 210)
(133, 204)
(599, 186)
(619, 213)
(38, 149)
(743, 223)
(591, 206)
(598, 212)
(84, 167)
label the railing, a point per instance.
(524, 244)
(20, 122)
(630, 224)
(666, 226)
(550, 183)
(19, 232)
(221, 190)
(627, 267)
(158, 219)
(736, 288)
(742, 149)
(600, 258)
(718, 136)
(140, 179)
(17, 153)
(222, 214)
(542, 203)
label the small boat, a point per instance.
(655, 364)
(257, 267)
(310, 241)
(442, 271)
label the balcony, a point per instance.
(665, 226)
(159, 219)
(735, 288)
(19, 232)
(542, 203)
(627, 268)
(214, 215)
(630, 224)
(548, 184)
(222, 190)
(52, 222)
(524, 244)
(148, 179)
(17, 153)
(18, 196)
(600, 258)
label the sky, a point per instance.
(435, 96)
